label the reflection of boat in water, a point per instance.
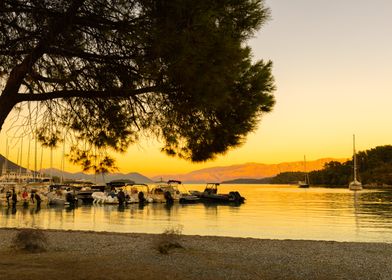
(355, 185)
(210, 194)
(169, 192)
(305, 183)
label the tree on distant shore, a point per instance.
(108, 71)
(374, 167)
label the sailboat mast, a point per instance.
(355, 159)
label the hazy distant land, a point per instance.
(374, 166)
(257, 173)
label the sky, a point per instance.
(333, 71)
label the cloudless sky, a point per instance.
(333, 71)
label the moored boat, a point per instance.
(210, 194)
(170, 192)
(137, 193)
(306, 182)
(355, 185)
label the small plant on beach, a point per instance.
(169, 239)
(30, 240)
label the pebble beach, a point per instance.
(104, 255)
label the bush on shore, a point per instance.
(168, 240)
(30, 240)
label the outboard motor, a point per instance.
(141, 197)
(168, 197)
(70, 198)
(237, 198)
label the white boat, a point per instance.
(61, 195)
(137, 193)
(355, 185)
(169, 192)
(305, 183)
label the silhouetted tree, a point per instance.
(109, 70)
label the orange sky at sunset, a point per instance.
(332, 65)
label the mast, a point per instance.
(354, 159)
(306, 174)
(6, 158)
(20, 161)
(63, 161)
(35, 158)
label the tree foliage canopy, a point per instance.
(109, 70)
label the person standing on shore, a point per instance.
(32, 196)
(38, 199)
(25, 197)
(8, 195)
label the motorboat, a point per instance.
(84, 193)
(170, 192)
(61, 195)
(113, 193)
(137, 193)
(210, 194)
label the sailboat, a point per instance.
(355, 185)
(305, 183)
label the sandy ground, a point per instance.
(92, 255)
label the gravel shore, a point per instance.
(93, 255)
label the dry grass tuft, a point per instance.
(30, 240)
(169, 239)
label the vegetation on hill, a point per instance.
(249, 181)
(374, 168)
(288, 178)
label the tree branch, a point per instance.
(65, 94)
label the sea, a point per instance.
(269, 212)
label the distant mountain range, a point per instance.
(133, 176)
(247, 170)
(251, 171)
(9, 165)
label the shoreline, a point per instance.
(107, 255)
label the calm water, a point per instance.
(276, 212)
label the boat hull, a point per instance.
(355, 186)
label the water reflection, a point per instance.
(279, 212)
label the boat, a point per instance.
(61, 195)
(305, 183)
(137, 193)
(85, 192)
(170, 192)
(210, 194)
(355, 185)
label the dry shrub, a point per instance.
(169, 239)
(30, 240)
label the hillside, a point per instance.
(9, 165)
(134, 176)
(247, 170)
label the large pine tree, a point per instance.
(108, 70)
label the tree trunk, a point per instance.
(7, 102)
